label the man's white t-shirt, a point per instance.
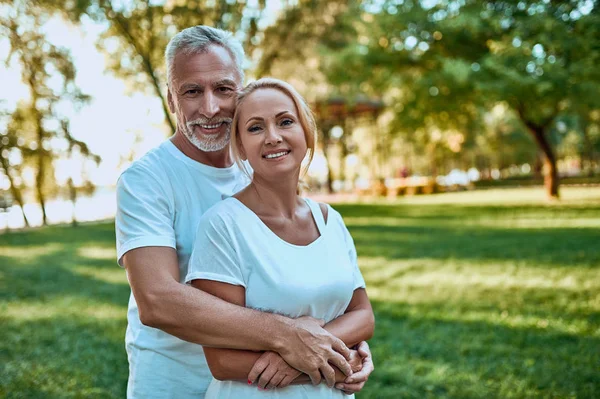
(160, 200)
(234, 246)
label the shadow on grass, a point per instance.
(431, 356)
(51, 273)
(455, 211)
(102, 234)
(426, 233)
(64, 357)
(49, 276)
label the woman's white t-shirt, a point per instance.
(234, 246)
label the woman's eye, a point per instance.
(286, 122)
(254, 128)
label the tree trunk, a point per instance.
(15, 192)
(551, 181)
(39, 131)
(73, 198)
(587, 153)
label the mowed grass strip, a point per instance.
(491, 294)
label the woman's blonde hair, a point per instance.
(305, 115)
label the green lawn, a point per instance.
(477, 295)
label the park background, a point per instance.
(459, 139)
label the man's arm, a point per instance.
(354, 326)
(196, 316)
(237, 365)
(227, 364)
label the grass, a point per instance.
(491, 294)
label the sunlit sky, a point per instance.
(110, 122)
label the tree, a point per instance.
(11, 155)
(456, 58)
(38, 121)
(138, 32)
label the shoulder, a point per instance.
(325, 209)
(221, 216)
(145, 171)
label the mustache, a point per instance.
(206, 121)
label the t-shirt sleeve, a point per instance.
(214, 256)
(144, 212)
(359, 281)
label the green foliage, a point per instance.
(486, 294)
(137, 33)
(29, 131)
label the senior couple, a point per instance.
(240, 287)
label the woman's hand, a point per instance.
(274, 372)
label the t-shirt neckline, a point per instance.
(203, 168)
(272, 233)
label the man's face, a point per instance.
(203, 94)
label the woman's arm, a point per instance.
(227, 364)
(235, 365)
(357, 323)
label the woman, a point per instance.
(269, 249)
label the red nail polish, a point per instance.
(249, 382)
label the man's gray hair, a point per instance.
(196, 39)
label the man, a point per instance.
(161, 198)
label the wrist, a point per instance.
(279, 334)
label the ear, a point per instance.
(170, 101)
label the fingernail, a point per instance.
(339, 386)
(249, 382)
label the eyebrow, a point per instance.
(258, 118)
(225, 82)
(222, 82)
(188, 86)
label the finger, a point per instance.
(315, 377)
(339, 346)
(276, 380)
(363, 349)
(286, 381)
(266, 376)
(349, 389)
(341, 363)
(363, 374)
(259, 366)
(329, 375)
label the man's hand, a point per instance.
(274, 372)
(357, 381)
(310, 349)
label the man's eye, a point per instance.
(224, 89)
(192, 92)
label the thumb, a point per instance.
(363, 349)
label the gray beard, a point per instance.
(207, 143)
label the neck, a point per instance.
(277, 197)
(217, 159)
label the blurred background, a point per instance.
(460, 140)
(411, 96)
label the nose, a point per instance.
(209, 106)
(272, 136)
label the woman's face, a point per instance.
(270, 133)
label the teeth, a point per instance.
(211, 126)
(276, 155)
